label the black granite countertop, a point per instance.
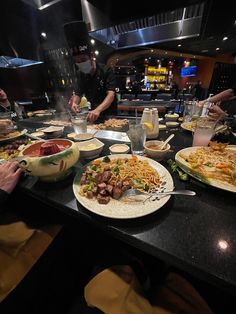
(196, 234)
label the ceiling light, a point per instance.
(179, 45)
(45, 6)
(92, 41)
(225, 38)
(96, 52)
(44, 35)
(217, 48)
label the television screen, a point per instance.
(189, 71)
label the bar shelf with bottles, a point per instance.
(156, 78)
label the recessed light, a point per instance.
(225, 38)
(179, 45)
(217, 48)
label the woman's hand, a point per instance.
(216, 112)
(9, 175)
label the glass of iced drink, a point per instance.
(204, 131)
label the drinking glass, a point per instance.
(188, 110)
(137, 136)
(204, 131)
(79, 122)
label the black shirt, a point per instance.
(94, 87)
(234, 89)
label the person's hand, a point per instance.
(93, 115)
(216, 112)
(200, 103)
(5, 124)
(9, 175)
(73, 104)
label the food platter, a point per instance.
(122, 209)
(207, 172)
(13, 135)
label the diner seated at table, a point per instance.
(4, 102)
(20, 244)
(118, 289)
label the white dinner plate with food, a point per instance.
(142, 169)
(214, 165)
(12, 135)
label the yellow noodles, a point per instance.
(213, 163)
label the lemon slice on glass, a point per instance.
(148, 125)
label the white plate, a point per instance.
(9, 138)
(123, 210)
(195, 174)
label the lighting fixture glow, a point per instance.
(45, 6)
(96, 52)
(217, 48)
(44, 35)
(179, 45)
(92, 41)
(223, 245)
(225, 38)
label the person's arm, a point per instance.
(94, 114)
(216, 112)
(227, 94)
(9, 177)
(74, 103)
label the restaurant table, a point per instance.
(195, 234)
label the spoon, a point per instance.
(162, 146)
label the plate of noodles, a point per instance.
(12, 135)
(214, 165)
(100, 185)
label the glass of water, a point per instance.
(79, 122)
(137, 136)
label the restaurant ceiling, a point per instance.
(206, 28)
(213, 24)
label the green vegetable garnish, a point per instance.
(175, 169)
(106, 159)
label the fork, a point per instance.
(132, 193)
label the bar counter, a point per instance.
(195, 234)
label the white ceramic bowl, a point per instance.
(154, 153)
(90, 149)
(172, 124)
(119, 149)
(171, 117)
